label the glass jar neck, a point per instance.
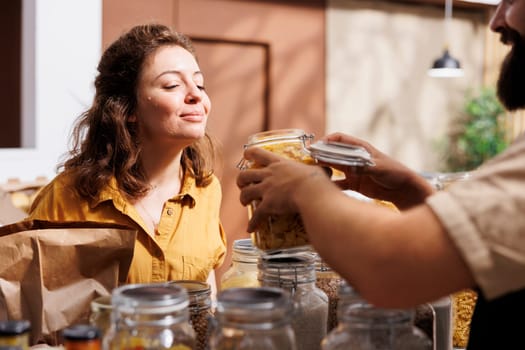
(149, 305)
(244, 257)
(254, 308)
(279, 135)
(290, 273)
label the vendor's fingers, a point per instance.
(250, 193)
(258, 217)
(260, 156)
(250, 176)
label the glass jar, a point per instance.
(295, 273)
(81, 337)
(150, 316)
(100, 315)
(201, 315)
(287, 230)
(243, 271)
(328, 281)
(365, 327)
(256, 318)
(15, 333)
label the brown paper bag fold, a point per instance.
(50, 272)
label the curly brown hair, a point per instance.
(104, 144)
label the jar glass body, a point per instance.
(287, 230)
(364, 327)
(149, 316)
(100, 315)
(243, 271)
(201, 315)
(253, 318)
(295, 273)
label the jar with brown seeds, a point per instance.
(201, 315)
(328, 281)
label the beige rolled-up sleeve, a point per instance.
(485, 217)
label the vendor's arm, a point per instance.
(393, 259)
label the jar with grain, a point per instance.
(295, 273)
(201, 315)
(287, 230)
(150, 316)
(365, 327)
(253, 318)
(243, 271)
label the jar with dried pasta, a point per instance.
(464, 301)
(287, 230)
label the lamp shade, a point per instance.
(446, 66)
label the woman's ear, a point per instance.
(132, 118)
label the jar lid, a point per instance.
(254, 301)
(340, 153)
(151, 298)
(14, 327)
(276, 135)
(81, 332)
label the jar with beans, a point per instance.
(201, 315)
(328, 281)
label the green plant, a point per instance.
(476, 135)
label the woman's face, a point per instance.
(172, 106)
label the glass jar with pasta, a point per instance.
(287, 230)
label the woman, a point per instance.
(141, 157)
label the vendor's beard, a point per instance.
(511, 82)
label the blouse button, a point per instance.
(169, 211)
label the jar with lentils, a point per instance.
(328, 281)
(201, 315)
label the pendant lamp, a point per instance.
(446, 66)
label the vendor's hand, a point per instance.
(272, 183)
(388, 179)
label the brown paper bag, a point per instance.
(50, 272)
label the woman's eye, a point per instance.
(201, 87)
(169, 87)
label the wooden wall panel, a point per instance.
(11, 38)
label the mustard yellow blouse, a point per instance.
(189, 242)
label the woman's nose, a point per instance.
(194, 94)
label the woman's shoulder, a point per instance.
(59, 189)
